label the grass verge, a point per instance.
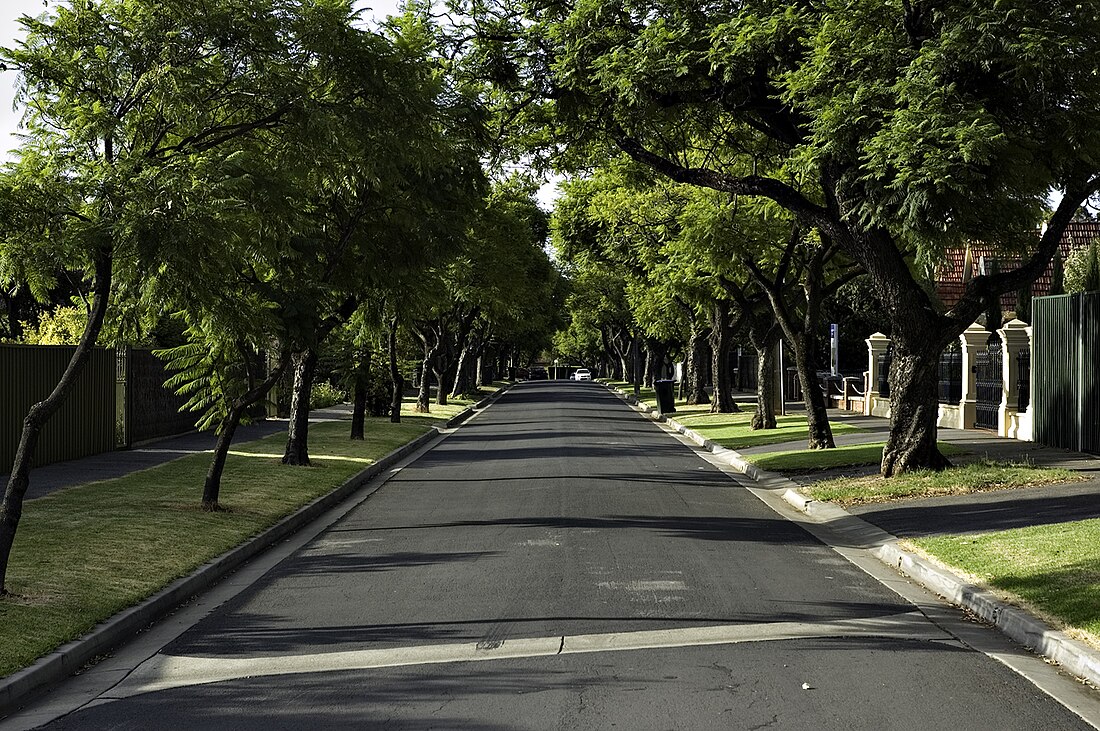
(735, 431)
(980, 476)
(808, 460)
(88, 552)
(1051, 570)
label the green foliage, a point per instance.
(324, 394)
(207, 378)
(62, 326)
(1082, 269)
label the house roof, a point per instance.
(949, 286)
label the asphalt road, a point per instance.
(559, 562)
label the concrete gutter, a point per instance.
(22, 686)
(1076, 657)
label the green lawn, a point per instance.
(1054, 569)
(979, 476)
(87, 552)
(735, 430)
(808, 460)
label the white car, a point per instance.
(582, 374)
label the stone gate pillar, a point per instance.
(876, 346)
(1015, 339)
(973, 339)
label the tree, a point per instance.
(388, 169)
(1082, 269)
(500, 281)
(127, 102)
(887, 128)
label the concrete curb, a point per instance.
(1075, 657)
(24, 685)
(471, 410)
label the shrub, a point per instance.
(325, 394)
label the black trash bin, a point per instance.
(666, 401)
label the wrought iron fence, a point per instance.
(950, 380)
(989, 384)
(884, 362)
(746, 372)
(1023, 380)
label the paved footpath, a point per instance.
(110, 465)
(978, 512)
(560, 562)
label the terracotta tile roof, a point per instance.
(949, 285)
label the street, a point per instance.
(560, 562)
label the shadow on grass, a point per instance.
(1072, 592)
(985, 512)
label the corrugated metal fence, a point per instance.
(84, 425)
(1065, 366)
(118, 400)
(152, 410)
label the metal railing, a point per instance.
(950, 381)
(1023, 380)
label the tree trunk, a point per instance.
(721, 341)
(11, 509)
(297, 443)
(424, 395)
(820, 435)
(359, 394)
(462, 383)
(914, 407)
(694, 372)
(766, 383)
(444, 378)
(396, 379)
(359, 410)
(211, 488)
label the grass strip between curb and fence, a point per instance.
(848, 455)
(1051, 570)
(980, 476)
(87, 552)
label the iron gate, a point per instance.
(990, 385)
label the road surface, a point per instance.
(560, 562)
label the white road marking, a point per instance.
(163, 672)
(644, 585)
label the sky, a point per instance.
(12, 10)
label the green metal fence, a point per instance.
(1065, 367)
(84, 425)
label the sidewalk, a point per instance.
(976, 512)
(109, 465)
